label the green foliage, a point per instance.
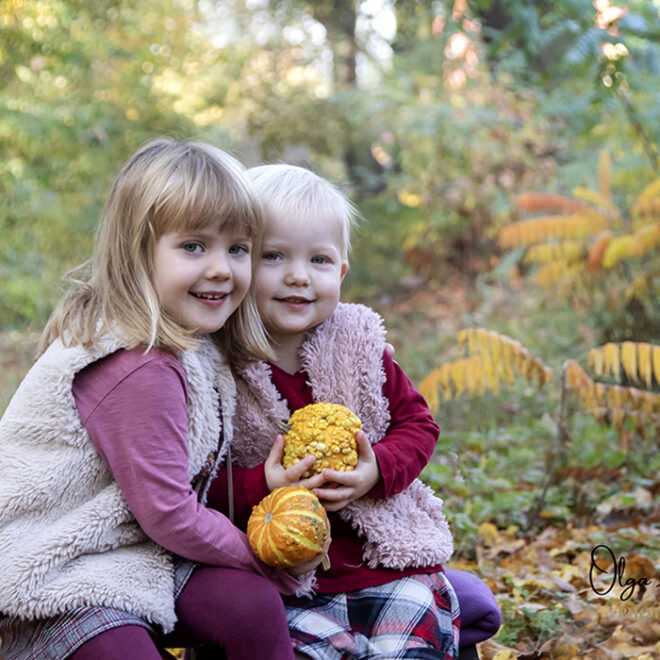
(524, 623)
(432, 139)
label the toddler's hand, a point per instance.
(344, 487)
(277, 476)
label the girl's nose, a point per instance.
(218, 267)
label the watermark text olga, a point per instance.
(607, 572)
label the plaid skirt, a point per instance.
(57, 637)
(414, 617)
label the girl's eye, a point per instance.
(318, 259)
(239, 249)
(192, 247)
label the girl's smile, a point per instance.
(295, 303)
(201, 277)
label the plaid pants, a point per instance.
(414, 617)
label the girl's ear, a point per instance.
(344, 270)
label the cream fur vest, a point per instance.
(67, 537)
(342, 358)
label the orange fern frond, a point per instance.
(535, 202)
(597, 250)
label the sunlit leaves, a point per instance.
(491, 358)
(613, 403)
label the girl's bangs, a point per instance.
(214, 199)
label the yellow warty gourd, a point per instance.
(326, 430)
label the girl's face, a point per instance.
(201, 276)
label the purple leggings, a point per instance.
(480, 615)
(228, 608)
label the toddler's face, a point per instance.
(299, 275)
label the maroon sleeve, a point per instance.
(134, 409)
(411, 436)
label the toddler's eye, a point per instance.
(239, 249)
(270, 256)
(319, 259)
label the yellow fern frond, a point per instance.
(640, 360)
(429, 388)
(629, 359)
(483, 339)
(598, 200)
(619, 248)
(437, 381)
(575, 376)
(596, 361)
(507, 361)
(568, 251)
(611, 352)
(491, 359)
(540, 230)
(628, 246)
(605, 175)
(601, 394)
(648, 202)
(457, 371)
(552, 273)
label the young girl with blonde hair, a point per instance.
(387, 593)
(110, 442)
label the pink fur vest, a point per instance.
(342, 358)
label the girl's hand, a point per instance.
(301, 569)
(344, 487)
(277, 476)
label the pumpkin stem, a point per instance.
(283, 426)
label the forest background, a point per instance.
(447, 121)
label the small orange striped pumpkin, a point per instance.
(288, 527)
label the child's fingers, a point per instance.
(334, 499)
(276, 451)
(364, 449)
(296, 471)
(313, 482)
(344, 478)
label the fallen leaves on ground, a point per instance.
(553, 609)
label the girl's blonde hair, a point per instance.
(296, 191)
(165, 186)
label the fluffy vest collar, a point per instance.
(342, 358)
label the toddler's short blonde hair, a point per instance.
(296, 191)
